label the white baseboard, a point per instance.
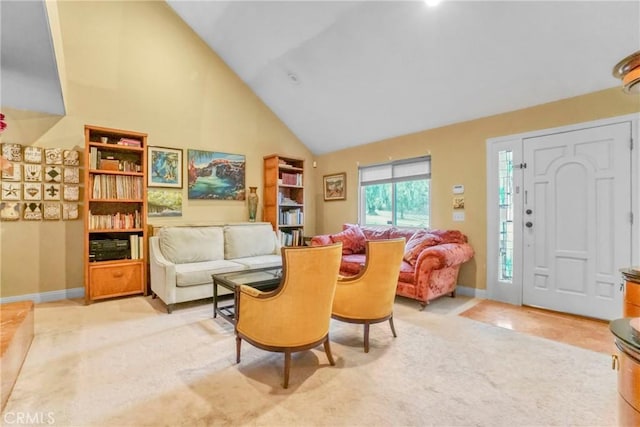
(47, 296)
(471, 292)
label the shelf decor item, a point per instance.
(165, 167)
(335, 186)
(252, 199)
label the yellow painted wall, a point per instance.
(458, 157)
(136, 66)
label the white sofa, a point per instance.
(183, 258)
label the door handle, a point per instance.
(528, 224)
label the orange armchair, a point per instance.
(295, 316)
(368, 297)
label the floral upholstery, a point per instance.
(434, 269)
(352, 239)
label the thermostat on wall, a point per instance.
(458, 189)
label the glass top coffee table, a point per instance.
(263, 279)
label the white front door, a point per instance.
(577, 220)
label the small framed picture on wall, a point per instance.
(165, 167)
(335, 186)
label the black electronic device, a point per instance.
(108, 249)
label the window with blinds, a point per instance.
(396, 193)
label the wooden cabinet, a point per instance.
(631, 307)
(115, 212)
(283, 197)
(627, 363)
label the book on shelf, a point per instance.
(129, 142)
(291, 179)
(291, 238)
(136, 245)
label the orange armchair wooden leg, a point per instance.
(327, 350)
(238, 342)
(393, 329)
(287, 367)
(366, 337)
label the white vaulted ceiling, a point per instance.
(340, 74)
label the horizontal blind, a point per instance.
(401, 170)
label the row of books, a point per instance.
(136, 245)
(291, 238)
(290, 179)
(117, 221)
(98, 160)
(116, 187)
(292, 217)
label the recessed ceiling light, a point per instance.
(432, 3)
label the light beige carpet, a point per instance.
(128, 363)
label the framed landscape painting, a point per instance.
(165, 167)
(216, 176)
(335, 186)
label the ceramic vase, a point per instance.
(252, 199)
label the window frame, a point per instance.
(395, 167)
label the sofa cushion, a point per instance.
(376, 232)
(417, 243)
(241, 241)
(260, 261)
(406, 232)
(191, 244)
(407, 273)
(352, 264)
(353, 240)
(450, 236)
(199, 273)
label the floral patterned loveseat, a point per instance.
(431, 262)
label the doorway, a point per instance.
(560, 217)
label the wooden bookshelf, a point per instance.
(283, 197)
(115, 213)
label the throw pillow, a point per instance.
(417, 243)
(353, 240)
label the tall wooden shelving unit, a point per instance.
(283, 197)
(115, 212)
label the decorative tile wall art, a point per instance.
(16, 175)
(33, 173)
(71, 193)
(51, 211)
(21, 192)
(9, 211)
(33, 154)
(71, 175)
(53, 174)
(53, 156)
(71, 158)
(51, 192)
(69, 211)
(12, 152)
(32, 211)
(11, 191)
(32, 191)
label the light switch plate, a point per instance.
(458, 216)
